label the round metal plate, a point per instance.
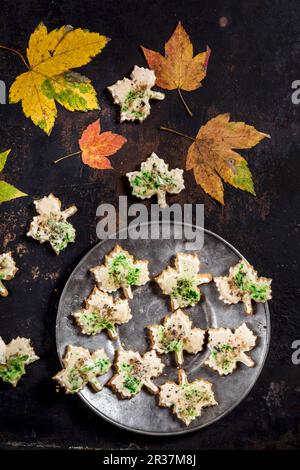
(142, 414)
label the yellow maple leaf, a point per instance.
(50, 57)
(212, 158)
(179, 69)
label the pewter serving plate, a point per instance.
(141, 414)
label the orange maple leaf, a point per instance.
(179, 69)
(96, 147)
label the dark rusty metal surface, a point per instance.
(254, 61)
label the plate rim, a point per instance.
(181, 431)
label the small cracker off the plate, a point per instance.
(8, 269)
(155, 177)
(133, 95)
(51, 225)
(14, 356)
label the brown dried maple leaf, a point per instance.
(212, 157)
(179, 69)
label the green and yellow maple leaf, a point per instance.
(7, 191)
(51, 56)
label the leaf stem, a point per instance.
(67, 156)
(162, 128)
(16, 52)
(184, 102)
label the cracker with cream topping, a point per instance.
(8, 269)
(176, 335)
(80, 367)
(242, 284)
(133, 95)
(121, 271)
(102, 312)
(181, 283)
(133, 372)
(14, 356)
(187, 399)
(227, 348)
(155, 177)
(51, 225)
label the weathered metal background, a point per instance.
(255, 59)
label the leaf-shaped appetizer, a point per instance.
(102, 312)
(133, 95)
(179, 69)
(187, 398)
(181, 282)
(227, 348)
(156, 178)
(14, 356)
(7, 191)
(242, 284)
(212, 156)
(134, 371)
(80, 368)
(120, 270)
(50, 57)
(96, 146)
(176, 335)
(8, 270)
(51, 224)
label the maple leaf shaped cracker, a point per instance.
(96, 147)
(156, 178)
(133, 372)
(243, 285)
(228, 348)
(102, 312)
(181, 282)
(80, 367)
(7, 191)
(8, 270)
(133, 94)
(51, 56)
(51, 224)
(14, 356)
(120, 270)
(179, 69)
(186, 399)
(212, 158)
(176, 335)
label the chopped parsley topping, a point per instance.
(132, 384)
(258, 290)
(14, 368)
(146, 181)
(75, 379)
(100, 366)
(134, 103)
(95, 323)
(123, 271)
(224, 355)
(187, 291)
(169, 344)
(61, 233)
